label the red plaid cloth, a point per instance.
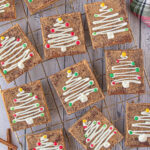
(141, 8)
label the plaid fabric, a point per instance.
(141, 8)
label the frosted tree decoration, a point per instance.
(143, 122)
(109, 23)
(3, 5)
(98, 135)
(15, 53)
(44, 144)
(26, 110)
(130, 72)
(77, 88)
(62, 36)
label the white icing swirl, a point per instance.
(108, 24)
(3, 6)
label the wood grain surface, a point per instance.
(113, 107)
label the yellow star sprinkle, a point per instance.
(124, 54)
(2, 38)
(147, 110)
(102, 4)
(59, 19)
(84, 121)
(45, 136)
(69, 71)
(20, 89)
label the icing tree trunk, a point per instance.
(26, 110)
(15, 54)
(77, 88)
(129, 75)
(143, 121)
(97, 135)
(61, 36)
(44, 144)
(109, 23)
(3, 5)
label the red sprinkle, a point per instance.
(88, 140)
(72, 33)
(15, 100)
(117, 61)
(14, 115)
(31, 54)
(78, 42)
(67, 24)
(47, 46)
(92, 145)
(99, 123)
(34, 148)
(115, 132)
(41, 109)
(110, 128)
(52, 30)
(113, 83)
(36, 97)
(84, 127)
(0, 45)
(38, 143)
(139, 77)
(60, 147)
(2, 63)
(55, 143)
(18, 40)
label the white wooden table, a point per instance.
(113, 107)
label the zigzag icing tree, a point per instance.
(10, 47)
(77, 88)
(129, 75)
(143, 122)
(61, 36)
(26, 110)
(97, 135)
(44, 144)
(3, 5)
(109, 23)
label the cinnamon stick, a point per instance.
(8, 144)
(9, 137)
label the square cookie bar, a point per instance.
(108, 23)
(26, 106)
(77, 87)
(63, 35)
(7, 10)
(94, 132)
(17, 54)
(124, 71)
(137, 125)
(50, 140)
(36, 5)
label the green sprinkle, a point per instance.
(30, 1)
(121, 18)
(136, 118)
(12, 108)
(14, 121)
(111, 75)
(95, 15)
(76, 74)
(137, 69)
(94, 122)
(91, 82)
(95, 89)
(64, 88)
(130, 132)
(85, 136)
(7, 5)
(24, 45)
(70, 104)
(37, 105)
(42, 114)
(133, 63)
(110, 9)
(94, 33)
(5, 71)
(104, 125)
(30, 94)
(126, 29)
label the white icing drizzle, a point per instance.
(98, 135)
(3, 6)
(128, 76)
(108, 24)
(62, 37)
(142, 134)
(20, 55)
(44, 144)
(77, 88)
(27, 109)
